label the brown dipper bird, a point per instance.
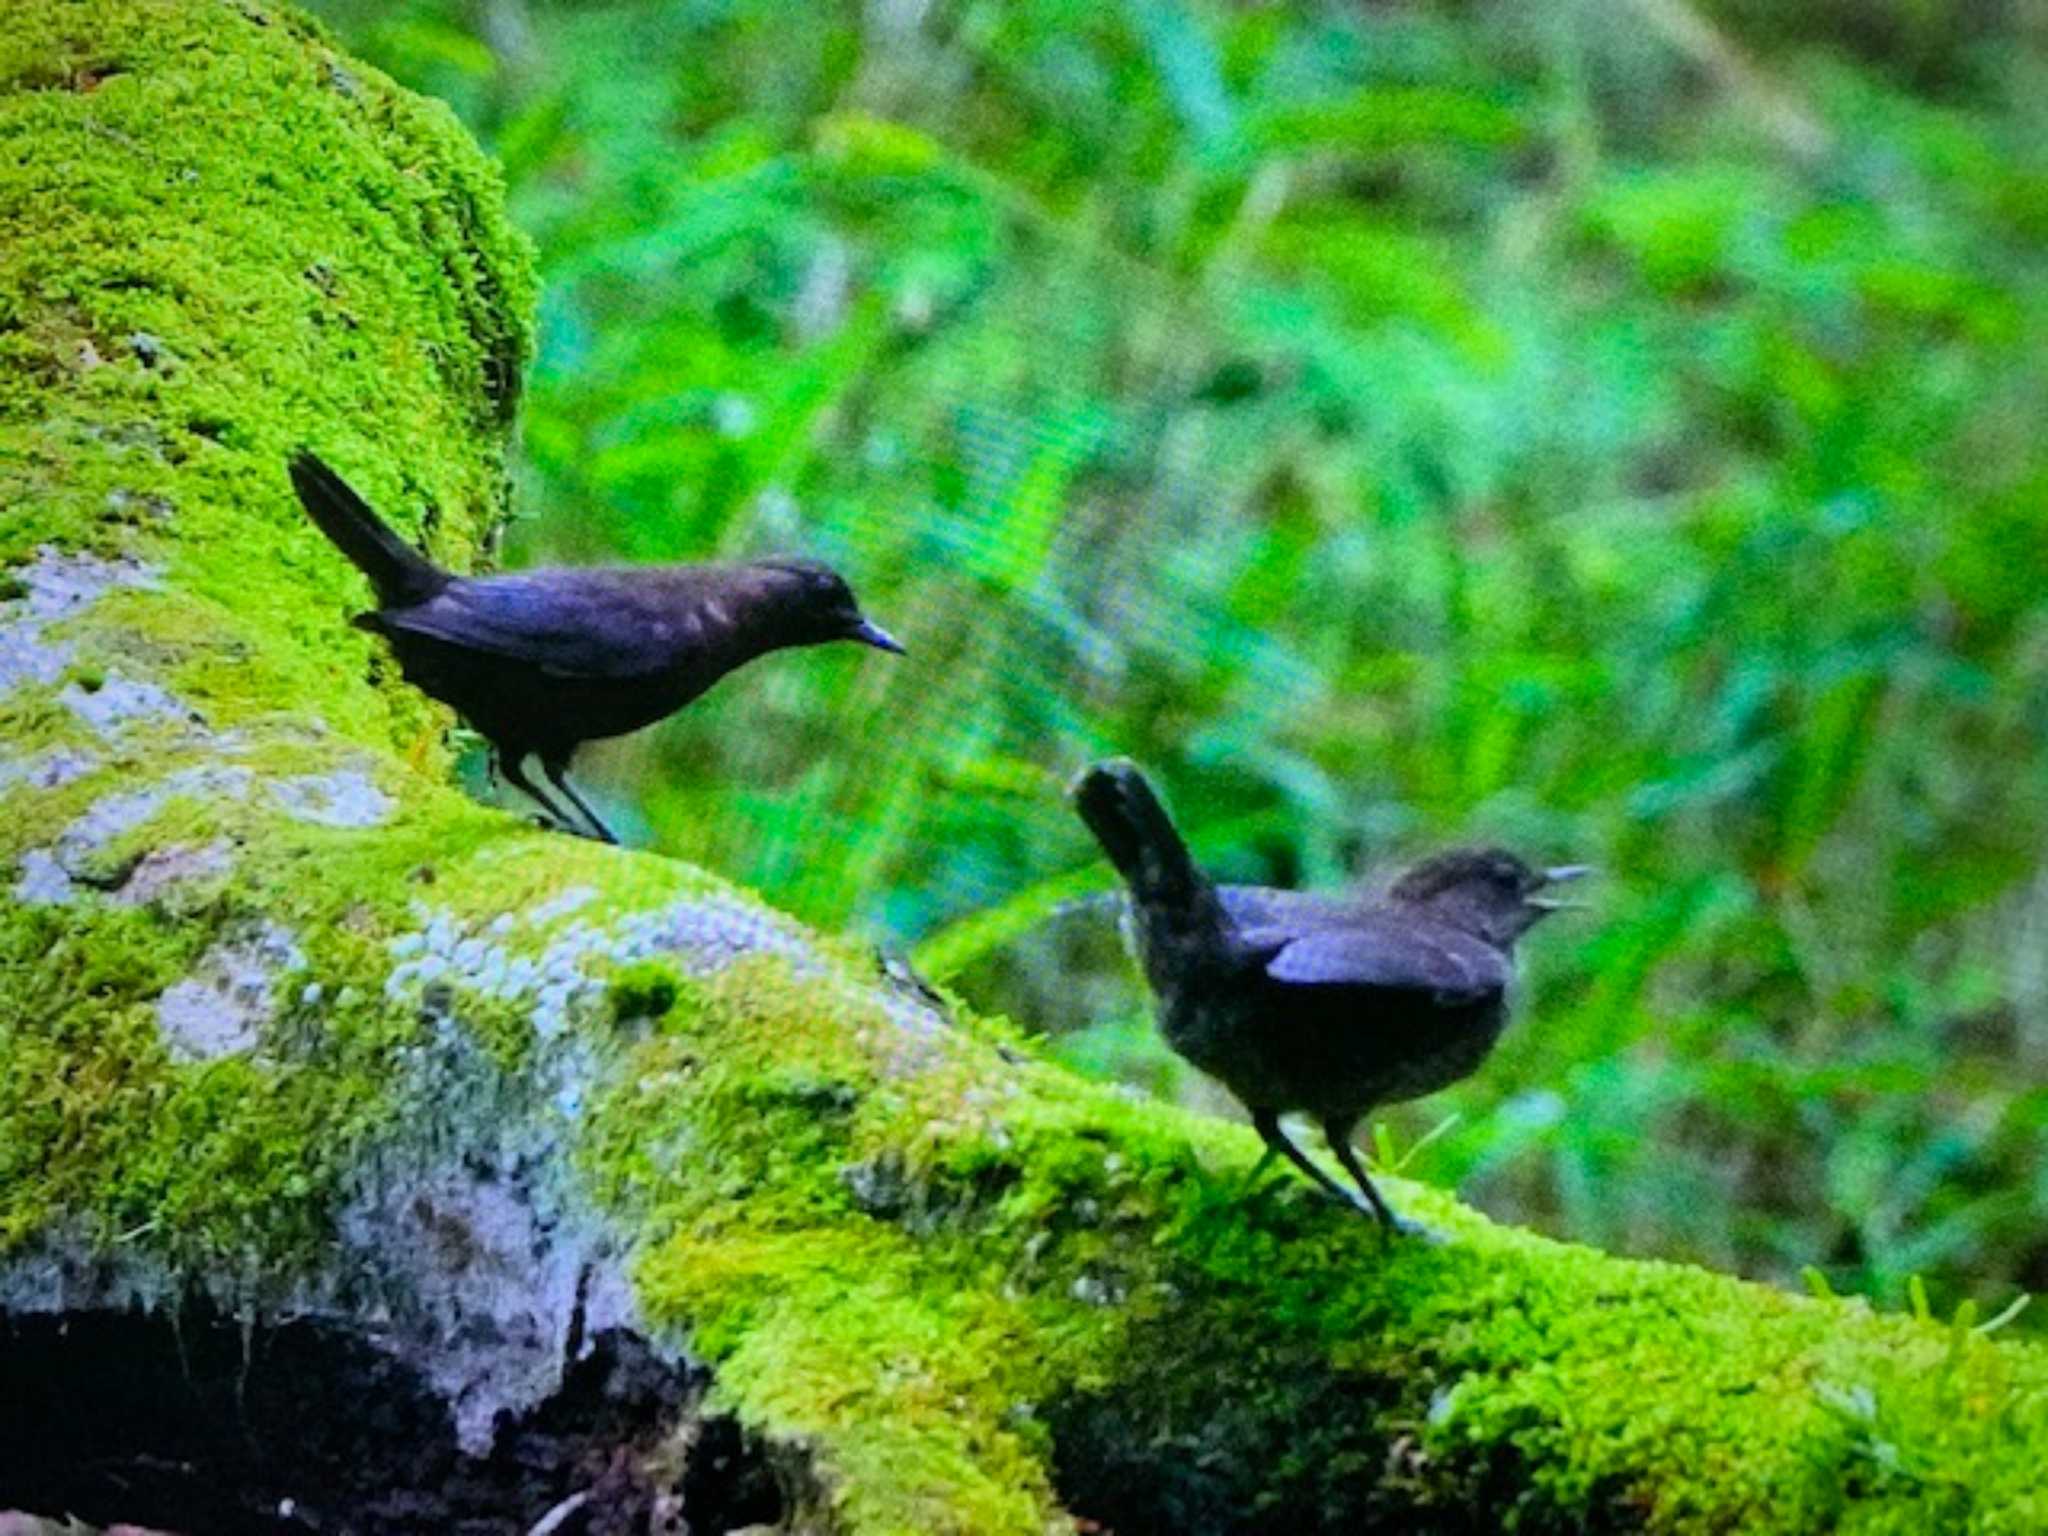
(1296, 1002)
(541, 661)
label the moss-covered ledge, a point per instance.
(338, 1112)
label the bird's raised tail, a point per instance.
(401, 575)
(1120, 808)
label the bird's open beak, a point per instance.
(867, 632)
(1559, 874)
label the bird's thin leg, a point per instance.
(1339, 1134)
(1251, 1180)
(510, 764)
(1267, 1124)
(558, 775)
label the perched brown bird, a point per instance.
(541, 661)
(1296, 1002)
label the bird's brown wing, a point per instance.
(1385, 950)
(575, 623)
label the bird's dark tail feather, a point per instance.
(401, 575)
(1118, 805)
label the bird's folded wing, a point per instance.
(1264, 906)
(1409, 957)
(567, 628)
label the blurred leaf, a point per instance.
(1382, 117)
(952, 949)
(873, 146)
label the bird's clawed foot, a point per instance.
(1391, 1224)
(1368, 1198)
(558, 775)
(1365, 1199)
(1249, 1184)
(1412, 1230)
(512, 767)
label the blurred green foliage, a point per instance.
(1617, 430)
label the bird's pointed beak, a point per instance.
(1560, 874)
(867, 632)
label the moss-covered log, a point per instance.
(342, 1117)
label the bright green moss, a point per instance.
(933, 1275)
(741, 1130)
(646, 990)
(301, 254)
(218, 240)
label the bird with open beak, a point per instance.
(1297, 1002)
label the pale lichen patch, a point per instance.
(347, 797)
(502, 1285)
(709, 932)
(42, 881)
(703, 933)
(163, 869)
(341, 798)
(111, 816)
(220, 1008)
(54, 586)
(118, 701)
(25, 657)
(571, 899)
(47, 770)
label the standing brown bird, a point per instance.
(1299, 1003)
(541, 661)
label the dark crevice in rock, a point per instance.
(196, 1423)
(1213, 1455)
(1278, 1444)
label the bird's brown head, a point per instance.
(816, 605)
(1486, 891)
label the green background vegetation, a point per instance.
(1615, 429)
